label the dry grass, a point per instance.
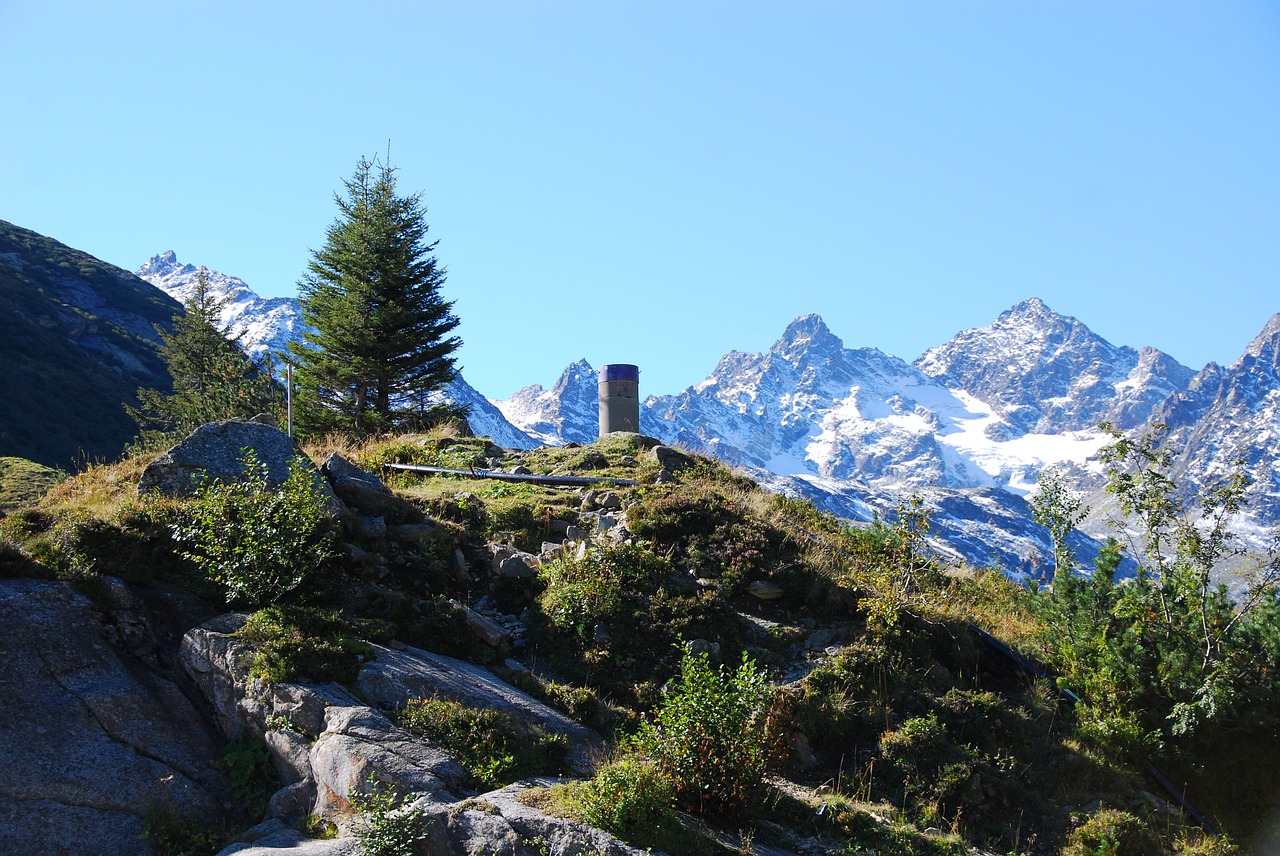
(102, 491)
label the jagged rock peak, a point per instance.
(580, 368)
(1032, 307)
(162, 264)
(1266, 345)
(1033, 320)
(806, 334)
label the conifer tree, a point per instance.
(213, 379)
(372, 293)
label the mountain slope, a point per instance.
(265, 326)
(969, 425)
(77, 339)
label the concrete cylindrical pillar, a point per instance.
(619, 386)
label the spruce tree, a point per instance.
(372, 293)
(213, 379)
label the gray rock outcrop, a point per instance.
(328, 746)
(394, 677)
(365, 491)
(92, 743)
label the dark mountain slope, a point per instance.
(77, 339)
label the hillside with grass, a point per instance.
(77, 338)
(766, 678)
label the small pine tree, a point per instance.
(213, 379)
(372, 293)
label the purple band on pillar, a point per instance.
(618, 371)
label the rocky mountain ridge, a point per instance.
(1229, 414)
(969, 424)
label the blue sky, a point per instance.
(661, 182)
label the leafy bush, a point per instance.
(581, 593)
(715, 736)
(1170, 650)
(386, 825)
(250, 775)
(259, 543)
(893, 564)
(171, 831)
(629, 797)
(919, 746)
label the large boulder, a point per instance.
(361, 749)
(215, 452)
(92, 741)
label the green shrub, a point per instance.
(629, 797)
(386, 825)
(259, 543)
(715, 736)
(292, 642)
(581, 593)
(1112, 833)
(250, 775)
(919, 746)
(495, 748)
(171, 831)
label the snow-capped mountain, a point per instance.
(969, 425)
(485, 419)
(1048, 373)
(265, 325)
(566, 413)
(1231, 414)
(810, 407)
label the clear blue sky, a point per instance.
(661, 182)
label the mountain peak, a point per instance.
(164, 264)
(1031, 309)
(1267, 340)
(805, 334)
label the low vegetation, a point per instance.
(763, 672)
(494, 747)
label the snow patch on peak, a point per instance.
(264, 326)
